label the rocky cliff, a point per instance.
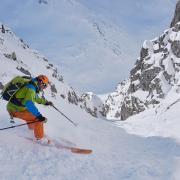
(154, 75)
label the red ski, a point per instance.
(74, 149)
(58, 145)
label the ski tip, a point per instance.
(81, 151)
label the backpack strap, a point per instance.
(17, 101)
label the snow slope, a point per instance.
(116, 154)
(162, 120)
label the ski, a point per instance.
(58, 145)
(73, 149)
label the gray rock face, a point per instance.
(143, 53)
(175, 46)
(72, 97)
(53, 90)
(56, 75)
(176, 17)
(11, 56)
(131, 105)
(111, 109)
(104, 110)
(91, 111)
(92, 104)
(143, 77)
(1, 85)
(24, 71)
(147, 76)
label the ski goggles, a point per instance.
(44, 85)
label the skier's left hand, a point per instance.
(49, 103)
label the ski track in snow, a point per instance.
(116, 154)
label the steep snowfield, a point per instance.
(116, 155)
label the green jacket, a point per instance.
(28, 96)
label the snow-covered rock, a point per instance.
(92, 104)
(155, 74)
(113, 102)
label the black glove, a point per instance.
(49, 103)
(42, 118)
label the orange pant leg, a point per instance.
(29, 117)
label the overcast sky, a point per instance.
(49, 31)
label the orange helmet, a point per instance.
(42, 79)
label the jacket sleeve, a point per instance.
(40, 100)
(29, 100)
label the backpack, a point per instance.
(11, 88)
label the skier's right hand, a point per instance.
(42, 118)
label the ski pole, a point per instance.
(19, 125)
(64, 115)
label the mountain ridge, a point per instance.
(154, 75)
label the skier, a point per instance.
(23, 106)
